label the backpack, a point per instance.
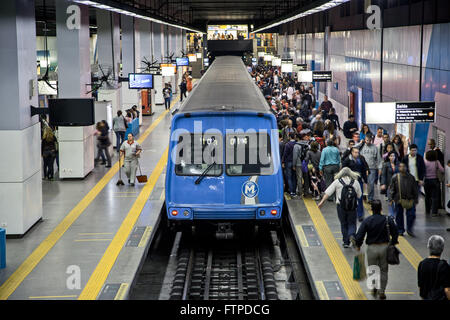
(349, 201)
(303, 152)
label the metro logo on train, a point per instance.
(250, 189)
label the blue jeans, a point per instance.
(400, 221)
(360, 208)
(348, 223)
(391, 210)
(120, 138)
(371, 183)
(167, 103)
(291, 177)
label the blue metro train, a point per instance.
(224, 163)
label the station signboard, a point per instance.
(322, 76)
(300, 67)
(413, 112)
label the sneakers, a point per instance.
(346, 246)
(353, 241)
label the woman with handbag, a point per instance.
(390, 168)
(103, 143)
(381, 239)
(48, 150)
(433, 177)
(404, 193)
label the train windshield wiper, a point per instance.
(199, 179)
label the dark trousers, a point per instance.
(167, 103)
(291, 178)
(104, 149)
(400, 221)
(183, 93)
(329, 173)
(48, 167)
(348, 223)
(120, 138)
(432, 192)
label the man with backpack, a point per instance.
(347, 190)
(330, 161)
(298, 156)
(288, 165)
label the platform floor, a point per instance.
(330, 266)
(93, 234)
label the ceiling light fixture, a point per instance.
(323, 7)
(132, 14)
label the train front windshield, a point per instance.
(246, 154)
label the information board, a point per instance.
(322, 76)
(413, 112)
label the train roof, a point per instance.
(226, 83)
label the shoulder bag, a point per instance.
(406, 204)
(392, 254)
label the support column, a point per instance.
(74, 73)
(108, 48)
(130, 97)
(156, 41)
(20, 134)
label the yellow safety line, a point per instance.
(121, 292)
(301, 236)
(145, 236)
(93, 233)
(52, 297)
(404, 246)
(368, 292)
(101, 272)
(87, 240)
(11, 284)
(323, 294)
(342, 267)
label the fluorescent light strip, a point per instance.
(323, 7)
(132, 14)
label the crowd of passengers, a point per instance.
(320, 158)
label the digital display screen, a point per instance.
(140, 81)
(182, 62)
(71, 112)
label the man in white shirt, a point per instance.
(378, 137)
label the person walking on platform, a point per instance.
(299, 155)
(350, 127)
(288, 165)
(167, 93)
(120, 127)
(183, 89)
(370, 152)
(433, 274)
(431, 183)
(415, 165)
(48, 150)
(347, 190)
(329, 164)
(390, 168)
(404, 193)
(357, 163)
(377, 228)
(131, 150)
(103, 143)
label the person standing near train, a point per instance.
(131, 150)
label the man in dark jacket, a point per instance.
(288, 166)
(415, 165)
(376, 227)
(357, 163)
(409, 191)
(350, 126)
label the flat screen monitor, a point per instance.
(181, 62)
(140, 81)
(71, 112)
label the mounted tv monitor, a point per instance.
(140, 81)
(181, 62)
(71, 112)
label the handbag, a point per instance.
(392, 254)
(439, 174)
(359, 267)
(141, 178)
(406, 204)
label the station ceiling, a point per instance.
(195, 13)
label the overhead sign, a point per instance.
(380, 112)
(192, 57)
(286, 67)
(182, 61)
(300, 67)
(168, 69)
(322, 76)
(413, 112)
(276, 62)
(305, 76)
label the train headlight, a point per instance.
(186, 213)
(174, 213)
(273, 212)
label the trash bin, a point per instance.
(2, 248)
